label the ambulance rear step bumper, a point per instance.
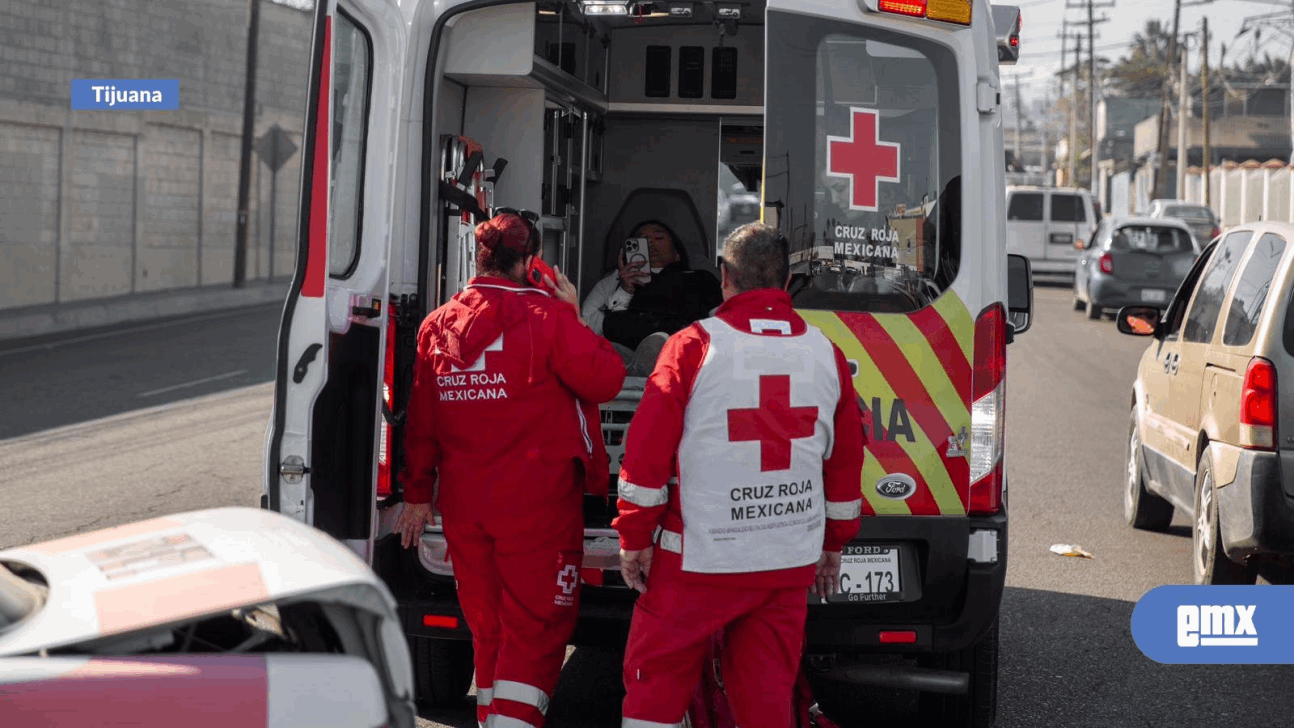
(903, 677)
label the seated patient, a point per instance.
(638, 305)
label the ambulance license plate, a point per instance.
(869, 574)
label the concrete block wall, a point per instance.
(99, 204)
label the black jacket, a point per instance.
(675, 298)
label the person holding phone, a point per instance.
(503, 440)
(652, 293)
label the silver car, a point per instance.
(1130, 261)
(1200, 219)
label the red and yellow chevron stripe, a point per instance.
(917, 368)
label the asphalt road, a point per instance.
(1068, 658)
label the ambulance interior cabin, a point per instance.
(608, 114)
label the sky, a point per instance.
(1043, 21)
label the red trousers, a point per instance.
(669, 638)
(518, 584)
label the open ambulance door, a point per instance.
(326, 424)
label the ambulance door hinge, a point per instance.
(293, 468)
(987, 97)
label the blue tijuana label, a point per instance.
(125, 95)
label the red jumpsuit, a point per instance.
(742, 464)
(504, 412)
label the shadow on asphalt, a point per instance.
(1066, 660)
(81, 376)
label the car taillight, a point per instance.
(988, 394)
(1107, 264)
(385, 443)
(1258, 405)
(1216, 232)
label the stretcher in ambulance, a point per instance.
(872, 132)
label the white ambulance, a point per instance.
(872, 132)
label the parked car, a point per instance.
(1042, 224)
(1205, 428)
(230, 613)
(1202, 221)
(1132, 260)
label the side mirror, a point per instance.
(1138, 320)
(1019, 292)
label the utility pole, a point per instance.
(1161, 175)
(1204, 86)
(1069, 152)
(245, 160)
(1019, 122)
(1183, 116)
(1091, 93)
(1073, 116)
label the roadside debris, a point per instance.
(1065, 549)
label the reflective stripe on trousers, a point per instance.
(635, 723)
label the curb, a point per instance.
(96, 313)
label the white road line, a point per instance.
(241, 311)
(194, 383)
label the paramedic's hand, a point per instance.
(563, 289)
(828, 576)
(411, 521)
(634, 566)
(631, 275)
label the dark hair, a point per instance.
(673, 238)
(501, 258)
(757, 256)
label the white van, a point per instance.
(855, 121)
(1044, 223)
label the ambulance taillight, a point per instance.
(988, 403)
(385, 443)
(945, 11)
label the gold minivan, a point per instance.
(1205, 427)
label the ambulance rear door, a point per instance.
(323, 433)
(894, 113)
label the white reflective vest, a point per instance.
(757, 426)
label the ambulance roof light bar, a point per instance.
(1007, 20)
(945, 11)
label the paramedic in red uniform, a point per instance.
(746, 453)
(504, 412)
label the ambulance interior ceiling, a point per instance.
(669, 98)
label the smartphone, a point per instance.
(536, 273)
(635, 251)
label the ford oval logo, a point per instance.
(896, 486)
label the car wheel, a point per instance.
(442, 670)
(1141, 508)
(1211, 563)
(1093, 311)
(1078, 303)
(978, 707)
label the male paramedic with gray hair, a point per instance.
(746, 455)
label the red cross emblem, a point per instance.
(774, 423)
(863, 159)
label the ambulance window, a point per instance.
(352, 80)
(863, 166)
(1026, 206)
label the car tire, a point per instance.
(1094, 311)
(1141, 508)
(1078, 303)
(1209, 558)
(442, 670)
(978, 707)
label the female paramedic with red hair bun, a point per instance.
(503, 413)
